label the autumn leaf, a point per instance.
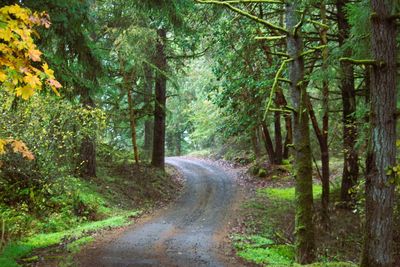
(25, 92)
(18, 74)
(3, 143)
(32, 80)
(6, 34)
(3, 76)
(35, 54)
(49, 72)
(20, 147)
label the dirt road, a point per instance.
(189, 233)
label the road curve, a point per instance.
(185, 234)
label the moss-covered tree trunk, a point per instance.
(350, 155)
(158, 156)
(377, 250)
(304, 227)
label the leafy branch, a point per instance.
(244, 13)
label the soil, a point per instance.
(190, 232)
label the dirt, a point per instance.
(190, 232)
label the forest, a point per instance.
(199, 133)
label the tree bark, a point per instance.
(158, 156)
(377, 251)
(132, 119)
(289, 136)
(322, 133)
(350, 155)
(254, 142)
(278, 138)
(269, 147)
(304, 233)
(322, 137)
(148, 124)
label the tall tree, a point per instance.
(377, 251)
(301, 139)
(158, 155)
(350, 160)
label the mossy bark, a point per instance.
(304, 227)
(377, 251)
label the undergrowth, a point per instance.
(73, 208)
(266, 237)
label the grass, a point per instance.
(16, 250)
(285, 193)
(267, 238)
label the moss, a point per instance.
(285, 194)
(262, 172)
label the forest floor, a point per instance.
(264, 232)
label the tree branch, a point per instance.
(244, 13)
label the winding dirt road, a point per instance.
(189, 233)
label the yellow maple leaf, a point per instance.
(25, 92)
(3, 143)
(32, 80)
(49, 72)
(3, 76)
(6, 34)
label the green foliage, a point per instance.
(16, 250)
(262, 250)
(285, 194)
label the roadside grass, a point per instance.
(19, 249)
(266, 237)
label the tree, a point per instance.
(377, 251)
(22, 70)
(158, 156)
(350, 155)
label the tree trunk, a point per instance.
(268, 143)
(289, 136)
(278, 138)
(148, 123)
(305, 240)
(350, 160)
(281, 102)
(87, 151)
(158, 157)
(377, 251)
(254, 142)
(132, 119)
(322, 137)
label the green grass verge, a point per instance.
(260, 247)
(16, 250)
(286, 193)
